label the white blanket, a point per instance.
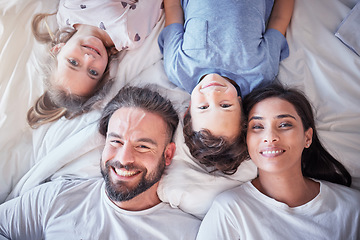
(319, 64)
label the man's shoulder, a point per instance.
(77, 185)
(167, 210)
(173, 217)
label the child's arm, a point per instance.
(281, 15)
(173, 12)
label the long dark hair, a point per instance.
(316, 161)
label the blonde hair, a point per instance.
(55, 103)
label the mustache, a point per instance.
(116, 164)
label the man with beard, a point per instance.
(139, 126)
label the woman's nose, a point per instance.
(271, 136)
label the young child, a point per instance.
(90, 33)
(219, 52)
(301, 192)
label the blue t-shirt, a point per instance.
(224, 37)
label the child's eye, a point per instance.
(93, 72)
(225, 105)
(73, 62)
(203, 107)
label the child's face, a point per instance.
(81, 64)
(215, 106)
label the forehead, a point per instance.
(74, 82)
(137, 122)
(218, 122)
(216, 114)
(272, 107)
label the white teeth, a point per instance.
(272, 152)
(124, 173)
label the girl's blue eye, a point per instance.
(93, 72)
(73, 62)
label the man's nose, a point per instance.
(125, 154)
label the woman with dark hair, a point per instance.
(301, 192)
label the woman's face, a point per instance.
(276, 136)
(81, 64)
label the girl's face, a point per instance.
(276, 137)
(215, 106)
(81, 64)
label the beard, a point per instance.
(119, 191)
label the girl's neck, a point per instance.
(293, 190)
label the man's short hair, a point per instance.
(213, 151)
(143, 98)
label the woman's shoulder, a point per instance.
(242, 191)
(347, 194)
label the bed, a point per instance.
(321, 65)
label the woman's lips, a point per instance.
(272, 152)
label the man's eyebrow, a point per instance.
(147, 140)
(113, 135)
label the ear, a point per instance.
(56, 49)
(188, 109)
(308, 137)
(240, 100)
(169, 153)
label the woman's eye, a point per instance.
(256, 127)
(203, 107)
(73, 62)
(225, 105)
(284, 125)
(93, 72)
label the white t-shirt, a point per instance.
(127, 25)
(80, 209)
(246, 213)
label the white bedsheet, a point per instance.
(319, 64)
